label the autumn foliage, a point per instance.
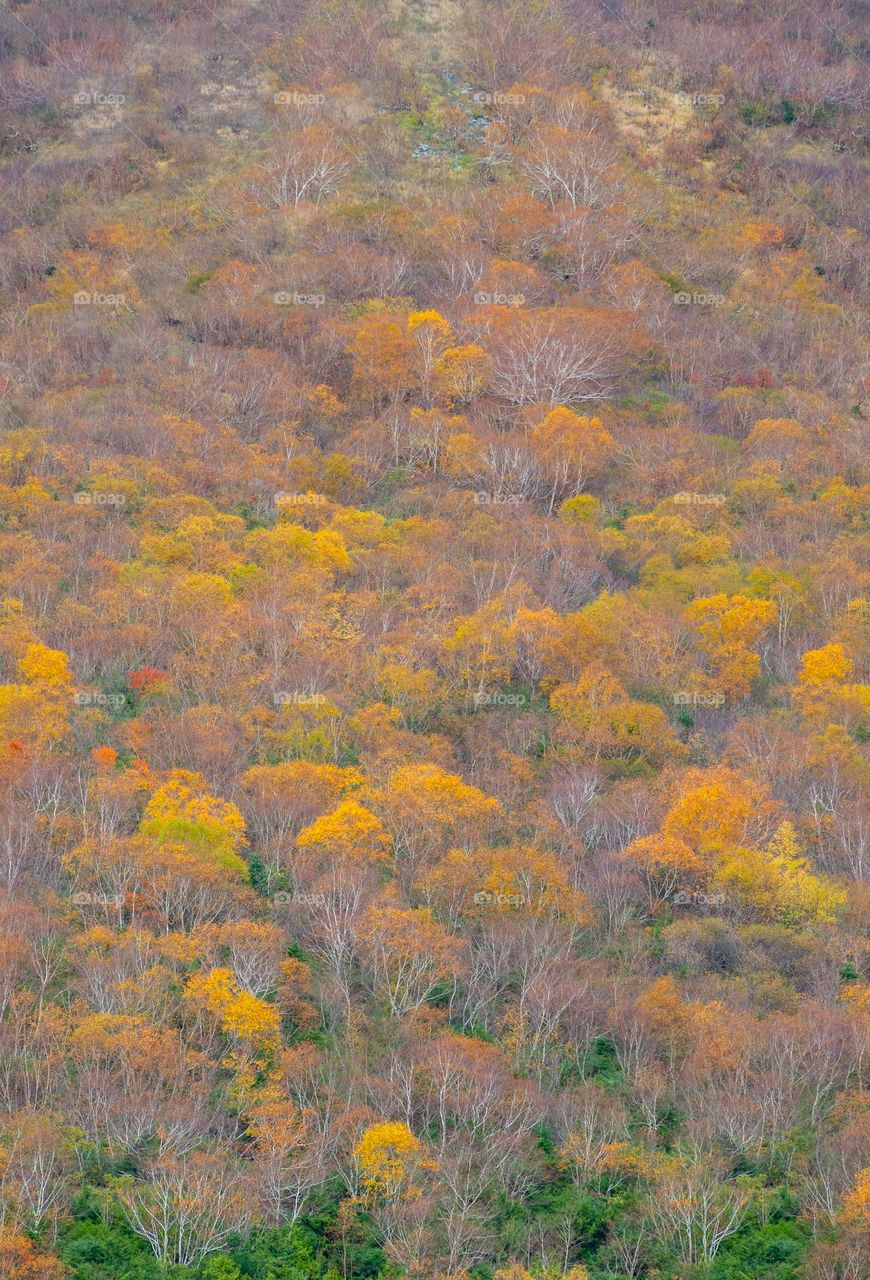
(434, 634)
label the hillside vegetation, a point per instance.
(434, 625)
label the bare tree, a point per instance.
(308, 165)
(551, 357)
(576, 166)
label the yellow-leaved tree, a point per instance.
(389, 1158)
(716, 810)
(601, 719)
(183, 812)
(823, 691)
(571, 449)
(349, 831)
(664, 863)
(240, 1015)
(460, 373)
(432, 335)
(730, 628)
(36, 711)
(429, 808)
(855, 1209)
(777, 884)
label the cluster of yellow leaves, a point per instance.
(729, 627)
(427, 806)
(600, 716)
(710, 1031)
(855, 1210)
(707, 838)
(504, 880)
(384, 354)
(659, 541)
(36, 711)
(201, 542)
(394, 354)
(823, 691)
(389, 1155)
(183, 812)
(778, 884)
(621, 1159)
(240, 1015)
(567, 441)
(664, 862)
(516, 1272)
(349, 831)
(412, 692)
(460, 373)
(787, 279)
(582, 509)
(130, 1040)
(278, 784)
(304, 729)
(83, 273)
(715, 810)
(289, 543)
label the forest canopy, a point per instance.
(434, 632)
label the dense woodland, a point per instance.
(434, 605)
